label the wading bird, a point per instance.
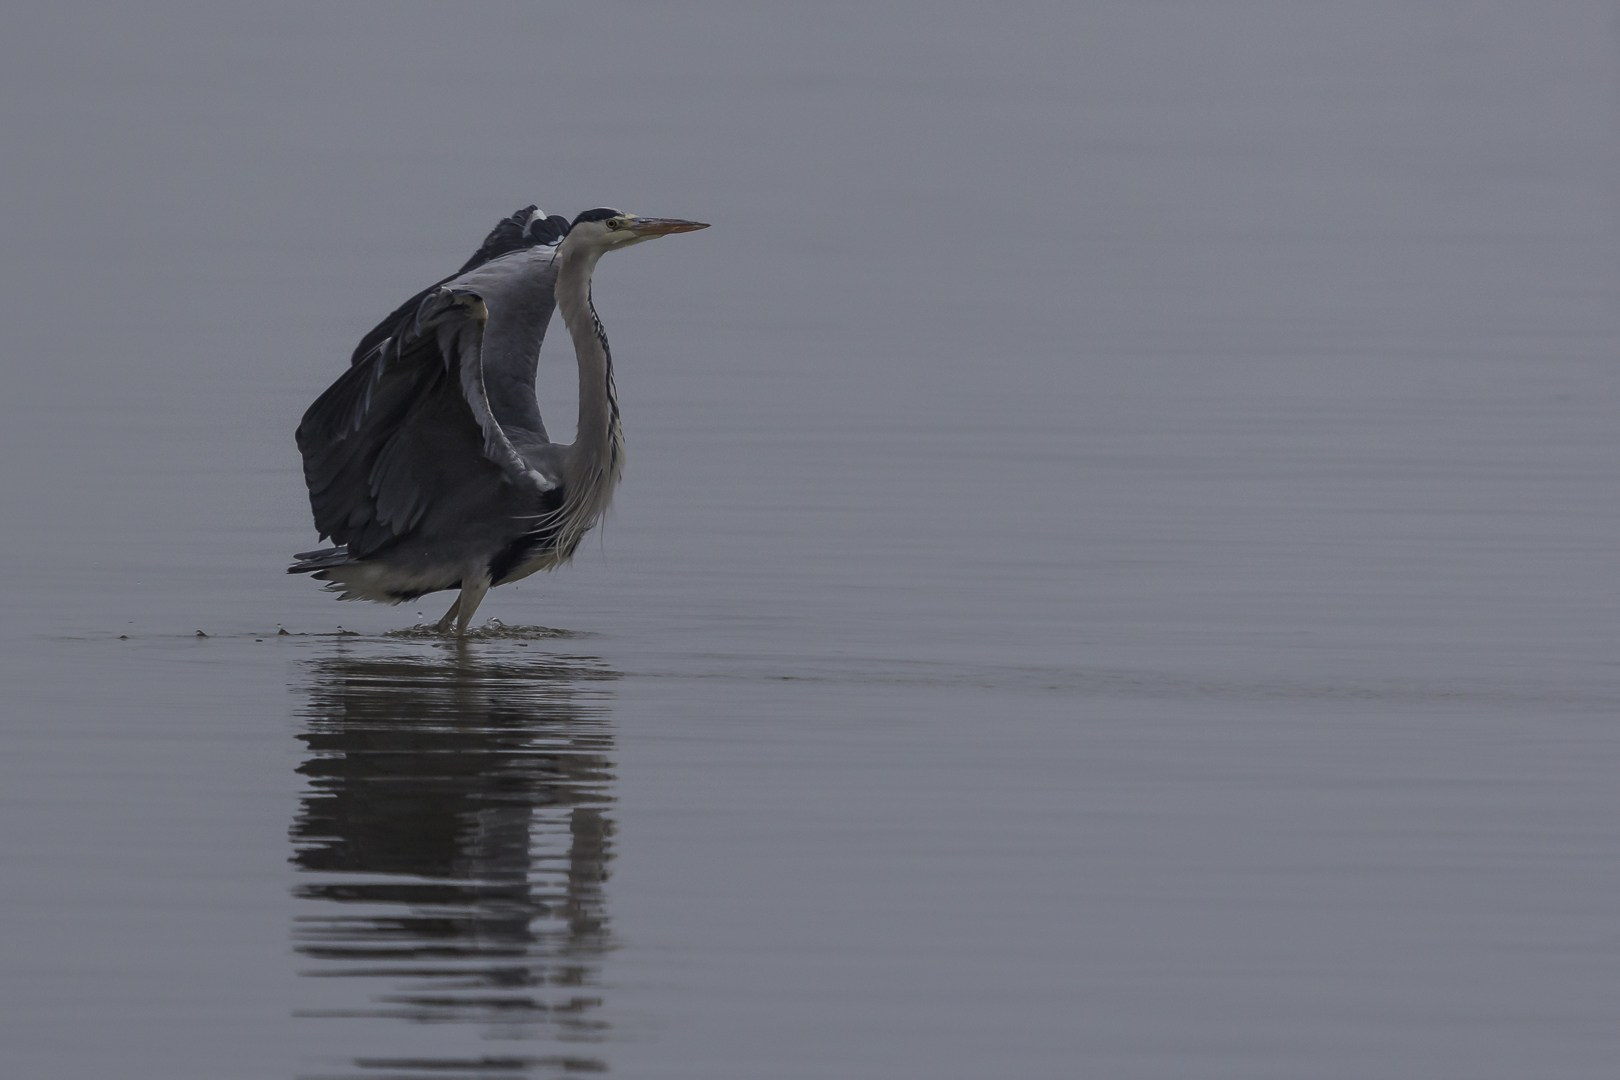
(426, 461)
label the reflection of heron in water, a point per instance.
(454, 812)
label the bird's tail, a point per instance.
(324, 559)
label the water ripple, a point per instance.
(454, 844)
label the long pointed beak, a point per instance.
(662, 226)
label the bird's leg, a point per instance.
(472, 594)
(449, 616)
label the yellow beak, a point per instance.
(661, 226)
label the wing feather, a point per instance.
(464, 339)
(379, 443)
(350, 431)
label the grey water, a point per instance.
(1115, 575)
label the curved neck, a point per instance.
(596, 449)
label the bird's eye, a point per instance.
(615, 223)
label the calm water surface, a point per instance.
(1115, 576)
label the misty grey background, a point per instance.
(1114, 577)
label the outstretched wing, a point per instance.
(399, 432)
(526, 228)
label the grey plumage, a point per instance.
(427, 461)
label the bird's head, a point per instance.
(606, 229)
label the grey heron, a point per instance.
(427, 462)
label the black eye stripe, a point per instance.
(601, 213)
